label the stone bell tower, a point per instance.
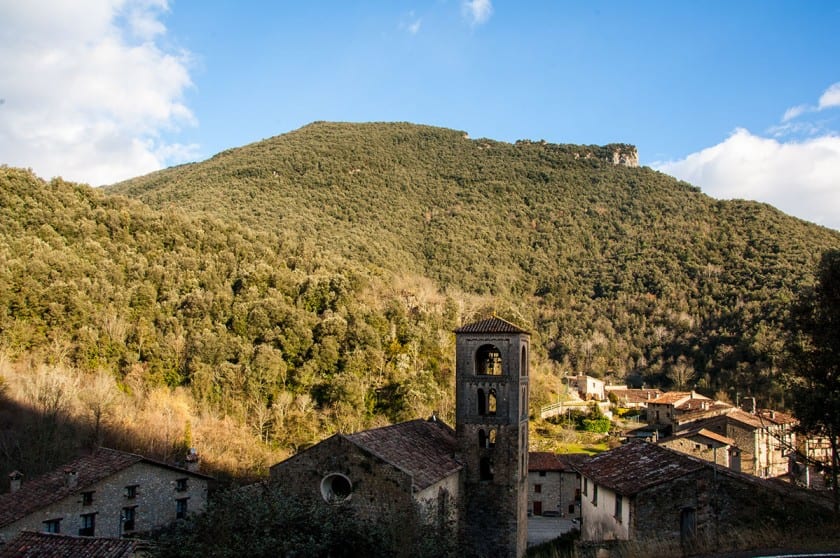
(491, 376)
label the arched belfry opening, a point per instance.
(491, 378)
(488, 361)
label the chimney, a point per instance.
(191, 461)
(71, 478)
(15, 478)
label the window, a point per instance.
(542, 473)
(52, 526)
(618, 504)
(131, 491)
(594, 494)
(485, 469)
(488, 361)
(538, 488)
(88, 527)
(482, 402)
(181, 484)
(87, 498)
(491, 402)
(336, 488)
(491, 438)
(585, 487)
(181, 508)
(571, 509)
(577, 494)
(523, 366)
(127, 518)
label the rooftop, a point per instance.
(636, 466)
(676, 397)
(28, 544)
(425, 449)
(490, 325)
(549, 461)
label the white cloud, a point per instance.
(831, 97)
(800, 178)
(411, 23)
(87, 91)
(477, 11)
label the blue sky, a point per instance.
(741, 98)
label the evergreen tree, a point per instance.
(815, 352)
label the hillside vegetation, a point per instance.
(310, 282)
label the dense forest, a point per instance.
(310, 283)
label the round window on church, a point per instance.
(336, 488)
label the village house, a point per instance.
(107, 493)
(764, 445)
(665, 410)
(29, 544)
(704, 444)
(588, 388)
(554, 484)
(424, 471)
(646, 492)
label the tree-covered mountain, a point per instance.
(310, 282)
(617, 269)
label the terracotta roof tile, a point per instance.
(777, 417)
(425, 449)
(637, 465)
(675, 397)
(28, 544)
(490, 325)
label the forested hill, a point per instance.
(617, 268)
(311, 282)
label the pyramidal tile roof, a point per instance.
(491, 325)
(425, 449)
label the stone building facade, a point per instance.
(642, 491)
(407, 471)
(108, 493)
(554, 484)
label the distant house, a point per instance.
(645, 492)
(703, 444)
(589, 388)
(554, 484)
(404, 469)
(29, 544)
(764, 444)
(108, 493)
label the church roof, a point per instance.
(425, 449)
(491, 325)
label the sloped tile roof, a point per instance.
(675, 397)
(52, 487)
(549, 461)
(28, 544)
(490, 325)
(425, 449)
(637, 465)
(776, 417)
(636, 395)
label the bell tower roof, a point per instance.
(491, 325)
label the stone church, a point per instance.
(473, 477)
